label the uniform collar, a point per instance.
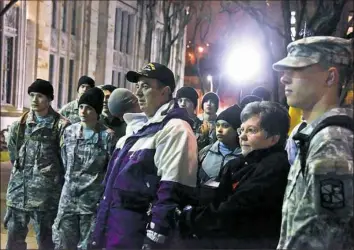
(31, 118)
(332, 112)
(215, 149)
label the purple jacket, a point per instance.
(153, 170)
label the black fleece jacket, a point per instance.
(249, 199)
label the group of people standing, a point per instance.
(117, 170)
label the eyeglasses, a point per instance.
(248, 131)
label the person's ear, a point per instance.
(333, 76)
(166, 90)
(274, 139)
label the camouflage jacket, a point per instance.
(318, 205)
(71, 111)
(85, 163)
(37, 175)
(115, 124)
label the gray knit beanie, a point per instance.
(120, 101)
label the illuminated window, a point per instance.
(293, 18)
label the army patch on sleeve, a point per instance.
(332, 194)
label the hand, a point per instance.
(149, 244)
(205, 129)
(185, 222)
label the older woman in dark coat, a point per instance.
(246, 209)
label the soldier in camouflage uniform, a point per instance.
(37, 176)
(187, 98)
(114, 123)
(318, 203)
(71, 109)
(86, 150)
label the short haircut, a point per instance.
(274, 118)
(344, 74)
(160, 85)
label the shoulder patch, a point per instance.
(332, 194)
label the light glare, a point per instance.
(244, 63)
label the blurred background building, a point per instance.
(63, 40)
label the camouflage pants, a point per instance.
(17, 228)
(73, 231)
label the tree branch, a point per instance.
(259, 15)
(303, 5)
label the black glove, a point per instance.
(149, 244)
(186, 221)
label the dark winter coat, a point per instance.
(247, 203)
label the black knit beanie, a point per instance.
(248, 99)
(232, 115)
(213, 97)
(93, 97)
(42, 86)
(85, 80)
(190, 93)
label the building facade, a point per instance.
(63, 40)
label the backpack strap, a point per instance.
(343, 121)
(22, 126)
(21, 131)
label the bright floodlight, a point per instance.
(200, 49)
(209, 78)
(244, 63)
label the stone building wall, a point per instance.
(63, 40)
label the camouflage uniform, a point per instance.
(85, 162)
(115, 124)
(318, 203)
(36, 179)
(71, 111)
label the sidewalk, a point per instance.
(5, 169)
(31, 239)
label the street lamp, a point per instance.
(244, 63)
(210, 80)
(200, 49)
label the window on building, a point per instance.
(129, 47)
(124, 81)
(64, 15)
(61, 81)
(71, 79)
(293, 18)
(350, 22)
(54, 14)
(117, 28)
(159, 44)
(148, 43)
(73, 19)
(293, 25)
(117, 79)
(8, 70)
(51, 68)
(124, 32)
(113, 80)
